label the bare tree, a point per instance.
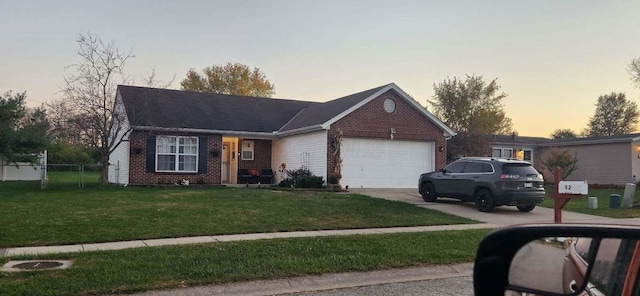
(62, 124)
(153, 81)
(634, 70)
(563, 159)
(90, 93)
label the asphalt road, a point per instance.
(459, 286)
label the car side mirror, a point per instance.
(559, 259)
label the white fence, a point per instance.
(24, 171)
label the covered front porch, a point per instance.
(246, 161)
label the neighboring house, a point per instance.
(389, 139)
(601, 160)
(23, 171)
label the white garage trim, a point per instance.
(385, 163)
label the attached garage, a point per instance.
(385, 163)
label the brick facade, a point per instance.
(261, 156)
(372, 121)
(138, 174)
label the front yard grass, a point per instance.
(135, 270)
(581, 205)
(70, 215)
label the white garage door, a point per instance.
(381, 163)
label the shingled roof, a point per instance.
(165, 108)
(154, 108)
(546, 142)
(514, 139)
(320, 113)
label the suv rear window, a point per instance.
(519, 169)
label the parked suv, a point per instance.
(489, 182)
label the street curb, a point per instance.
(324, 282)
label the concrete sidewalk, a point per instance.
(227, 238)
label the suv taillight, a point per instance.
(509, 177)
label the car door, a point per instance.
(473, 173)
(445, 181)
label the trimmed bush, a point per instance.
(311, 182)
(301, 178)
(334, 178)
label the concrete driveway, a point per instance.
(500, 216)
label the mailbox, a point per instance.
(573, 187)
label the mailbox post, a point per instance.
(565, 191)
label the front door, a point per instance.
(226, 165)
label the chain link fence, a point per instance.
(72, 175)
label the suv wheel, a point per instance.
(526, 208)
(429, 193)
(484, 201)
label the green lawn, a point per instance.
(72, 179)
(134, 270)
(70, 215)
(65, 214)
(581, 205)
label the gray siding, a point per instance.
(599, 163)
(635, 160)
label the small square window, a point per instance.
(247, 150)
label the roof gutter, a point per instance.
(590, 142)
(301, 130)
(569, 143)
(239, 134)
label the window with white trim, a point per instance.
(502, 152)
(176, 154)
(247, 150)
